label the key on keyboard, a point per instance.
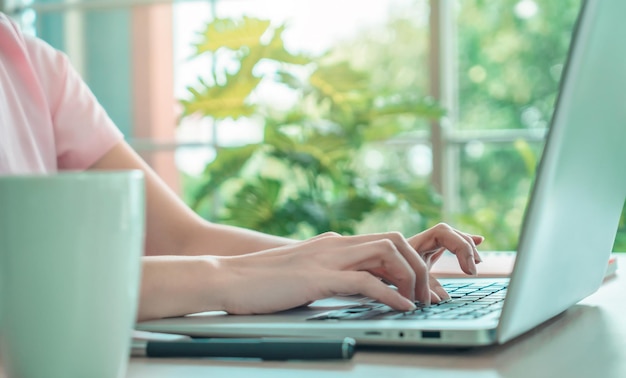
(467, 301)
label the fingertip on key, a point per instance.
(471, 266)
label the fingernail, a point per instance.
(435, 297)
(471, 265)
(410, 306)
(444, 295)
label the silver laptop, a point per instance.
(566, 237)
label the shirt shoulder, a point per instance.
(81, 131)
(26, 132)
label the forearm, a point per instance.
(223, 240)
(172, 228)
(177, 285)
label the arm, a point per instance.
(179, 285)
(237, 270)
(240, 271)
(172, 228)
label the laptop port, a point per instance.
(431, 334)
(373, 333)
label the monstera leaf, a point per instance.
(255, 204)
(304, 177)
(227, 164)
(222, 101)
(227, 96)
(276, 50)
(339, 82)
(232, 34)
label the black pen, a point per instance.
(258, 348)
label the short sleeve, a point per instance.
(83, 131)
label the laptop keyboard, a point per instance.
(467, 301)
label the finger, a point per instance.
(442, 235)
(434, 298)
(436, 288)
(470, 240)
(366, 284)
(417, 264)
(432, 257)
(326, 235)
(383, 257)
(478, 239)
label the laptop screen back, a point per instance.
(573, 214)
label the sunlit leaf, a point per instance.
(382, 131)
(222, 101)
(276, 50)
(231, 33)
(320, 154)
(340, 82)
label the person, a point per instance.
(50, 121)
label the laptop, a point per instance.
(566, 239)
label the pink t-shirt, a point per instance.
(49, 119)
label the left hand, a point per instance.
(429, 245)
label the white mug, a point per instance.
(70, 266)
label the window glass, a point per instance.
(510, 59)
(335, 118)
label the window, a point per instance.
(493, 66)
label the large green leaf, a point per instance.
(340, 83)
(382, 131)
(314, 156)
(227, 164)
(222, 101)
(276, 50)
(303, 210)
(310, 150)
(273, 136)
(232, 34)
(255, 204)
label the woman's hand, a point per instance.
(329, 264)
(432, 243)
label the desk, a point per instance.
(589, 340)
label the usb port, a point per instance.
(431, 334)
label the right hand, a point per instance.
(327, 265)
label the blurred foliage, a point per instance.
(509, 71)
(309, 175)
(511, 57)
(304, 177)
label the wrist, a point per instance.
(207, 238)
(179, 285)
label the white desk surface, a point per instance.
(589, 340)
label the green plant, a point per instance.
(307, 175)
